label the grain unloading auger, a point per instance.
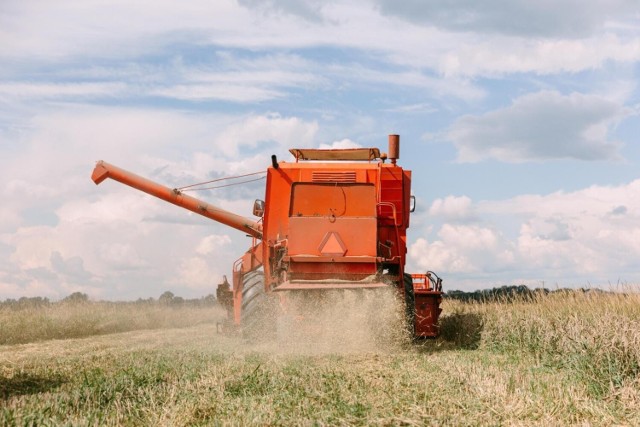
(332, 219)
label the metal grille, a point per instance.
(331, 176)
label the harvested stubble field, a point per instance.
(560, 359)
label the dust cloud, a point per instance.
(332, 322)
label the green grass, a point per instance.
(560, 360)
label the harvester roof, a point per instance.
(335, 154)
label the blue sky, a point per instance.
(518, 118)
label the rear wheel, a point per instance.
(410, 304)
(257, 314)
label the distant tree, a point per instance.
(209, 300)
(76, 298)
(166, 297)
(25, 302)
(502, 294)
(9, 302)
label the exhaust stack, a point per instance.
(394, 148)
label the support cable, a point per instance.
(189, 187)
(225, 185)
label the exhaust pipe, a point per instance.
(394, 148)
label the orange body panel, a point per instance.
(356, 209)
(316, 236)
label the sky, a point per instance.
(519, 119)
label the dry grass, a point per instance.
(75, 320)
(594, 335)
(523, 363)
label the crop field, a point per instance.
(557, 359)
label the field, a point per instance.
(559, 359)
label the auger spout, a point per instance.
(104, 170)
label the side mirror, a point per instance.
(412, 203)
(258, 208)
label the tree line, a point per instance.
(166, 299)
(510, 293)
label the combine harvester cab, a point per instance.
(331, 219)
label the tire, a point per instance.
(256, 317)
(410, 304)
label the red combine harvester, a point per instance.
(332, 219)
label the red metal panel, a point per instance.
(327, 271)
(348, 259)
(427, 309)
(332, 177)
(406, 196)
(391, 191)
(337, 200)
(358, 234)
(289, 286)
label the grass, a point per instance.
(596, 336)
(75, 320)
(561, 359)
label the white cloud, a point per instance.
(21, 187)
(343, 143)
(113, 252)
(587, 236)
(420, 108)
(539, 126)
(196, 273)
(212, 244)
(121, 256)
(445, 50)
(596, 200)
(140, 140)
(225, 92)
(10, 218)
(445, 35)
(468, 249)
(247, 82)
(114, 242)
(120, 28)
(499, 55)
(435, 256)
(285, 132)
(33, 247)
(62, 90)
(452, 208)
(226, 77)
(457, 86)
(10, 287)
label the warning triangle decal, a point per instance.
(332, 245)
